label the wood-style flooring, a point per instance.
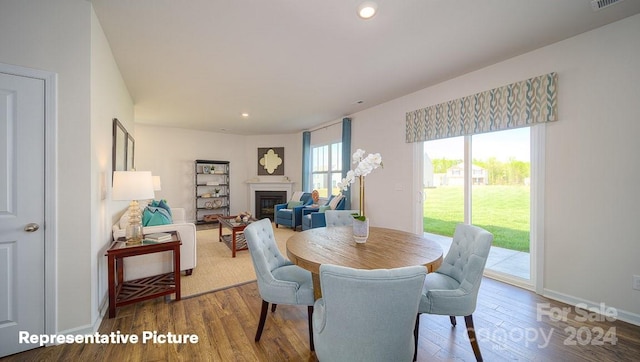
(511, 324)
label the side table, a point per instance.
(133, 291)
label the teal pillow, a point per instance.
(163, 204)
(153, 216)
(292, 204)
(324, 208)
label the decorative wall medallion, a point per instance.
(271, 161)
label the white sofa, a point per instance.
(152, 264)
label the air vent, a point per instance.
(600, 4)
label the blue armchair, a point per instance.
(313, 218)
(292, 217)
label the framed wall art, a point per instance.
(271, 161)
(123, 152)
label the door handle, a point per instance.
(31, 227)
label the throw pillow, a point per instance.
(334, 202)
(153, 216)
(297, 195)
(292, 204)
(163, 204)
(324, 208)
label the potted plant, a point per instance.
(365, 166)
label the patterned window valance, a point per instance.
(515, 105)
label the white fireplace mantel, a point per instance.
(267, 186)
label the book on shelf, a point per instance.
(158, 237)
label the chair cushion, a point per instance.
(284, 214)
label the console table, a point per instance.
(133, 291)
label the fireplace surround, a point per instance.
(254, 186)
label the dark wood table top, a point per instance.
(384, 249)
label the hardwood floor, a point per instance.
(508, 321)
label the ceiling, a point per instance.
(297, 64)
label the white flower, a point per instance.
(365, 166)
(357, 156)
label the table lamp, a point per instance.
(157, 185)
(133, 185)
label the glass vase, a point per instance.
(360, 230)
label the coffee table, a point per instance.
(235, 241)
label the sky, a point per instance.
(503, 145)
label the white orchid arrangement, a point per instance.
(365, 166)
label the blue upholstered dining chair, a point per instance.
(453, 289)
(335, 218)
(279, 280)
(366, 315)
(290, 213)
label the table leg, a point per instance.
(111, 286)
(233, 244)
(317, 292)
(219, 231)
(176, 270)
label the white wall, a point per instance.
(170, 153)
(591, 250)
(109, 99)
(56, 37)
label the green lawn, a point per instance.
(502, 210)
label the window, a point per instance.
(326, 168)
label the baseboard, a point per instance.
(623, 315)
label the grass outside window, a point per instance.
(501, 210)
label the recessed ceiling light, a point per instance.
(367, 9)
(245, 115)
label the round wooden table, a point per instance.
(384, 249)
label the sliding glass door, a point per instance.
(485, 180)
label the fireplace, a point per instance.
(266, 201)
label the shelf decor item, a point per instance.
(365, 165)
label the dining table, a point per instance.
(384, 249)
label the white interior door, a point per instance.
(22, 196)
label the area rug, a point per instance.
(216, 269)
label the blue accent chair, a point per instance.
(367, 315)
(453, 289)
(291, 217)
(313, 218)
(279, 280)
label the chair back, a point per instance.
(335, 218)
(367, 315)
(264, 252)
(467, 257)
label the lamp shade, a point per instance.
(132, 185)
(156, 183)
